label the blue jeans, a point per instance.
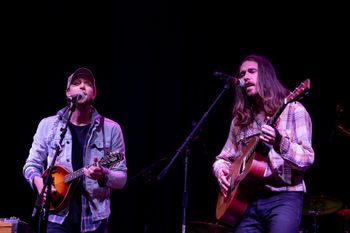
(69, 227)
(272, 213)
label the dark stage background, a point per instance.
(154, 63)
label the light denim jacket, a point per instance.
(42, 152)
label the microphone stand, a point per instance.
(187, 153)
(43, 210)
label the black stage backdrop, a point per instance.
(154, 63)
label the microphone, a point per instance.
(75, 98)
(229, 79)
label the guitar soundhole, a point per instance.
(262, 149)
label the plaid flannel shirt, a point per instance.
(287, 163)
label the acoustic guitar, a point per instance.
(248, 168)
(65, 181)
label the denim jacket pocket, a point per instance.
(64, 150)
(54, 145)
(97, 148)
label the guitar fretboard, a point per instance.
(68, 178)
(107, 161)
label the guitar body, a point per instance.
(65, 181)
(245, 174)
(60, 197)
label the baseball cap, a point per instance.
(81, 72)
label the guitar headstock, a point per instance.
(111, 158)
(298, 92)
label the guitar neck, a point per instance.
(278, 112)
(68, 178)
(296, 94)
(270, 122)
(107, 161)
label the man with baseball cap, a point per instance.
(85, 207)
(81, 88)
(81, 73)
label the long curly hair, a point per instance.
(270, 93)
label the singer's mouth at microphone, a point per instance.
(248, 84)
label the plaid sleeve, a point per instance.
(227, 154)
(295, 144)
